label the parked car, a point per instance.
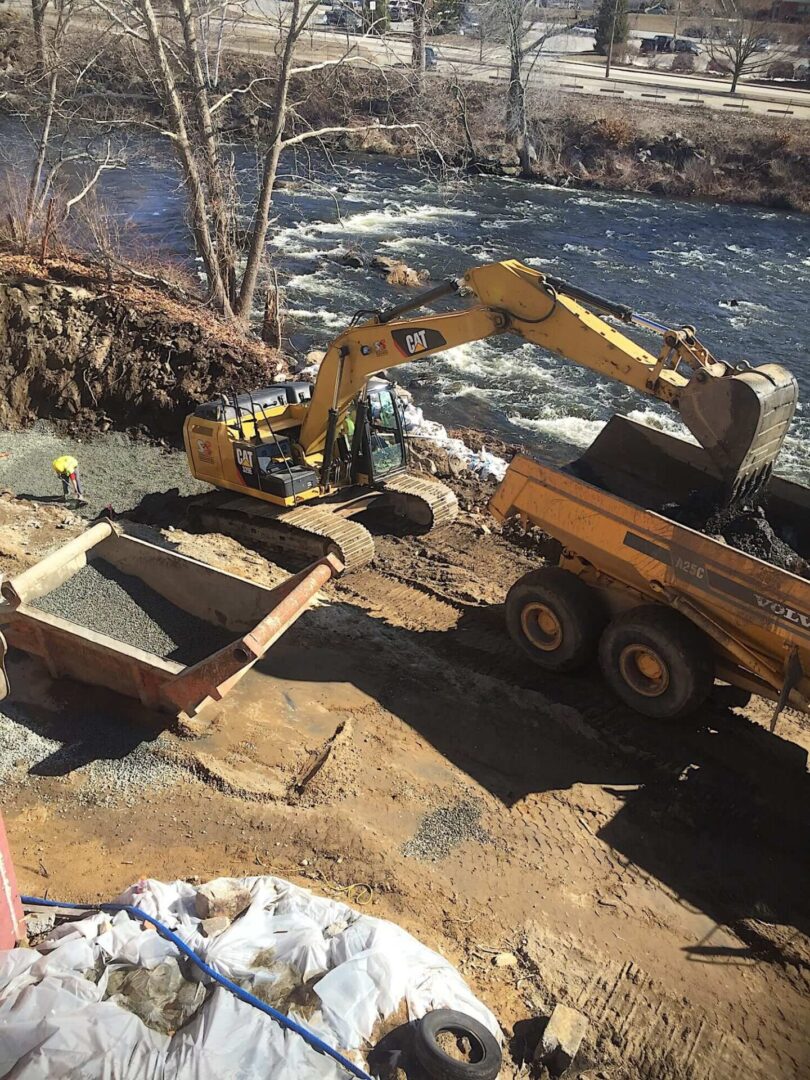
(344, 18)
(684, 45)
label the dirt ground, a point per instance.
(653, 877)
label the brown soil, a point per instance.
(114, 351)
(654, 878)
(455, 1046)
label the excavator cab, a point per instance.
(379, 447)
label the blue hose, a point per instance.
(244, 995)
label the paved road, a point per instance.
(555, 69)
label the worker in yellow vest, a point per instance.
(67, 469)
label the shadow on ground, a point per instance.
(90, 726)
(716, 808)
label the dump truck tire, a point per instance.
(555, 618)
(658, 662)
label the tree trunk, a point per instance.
(38, 19)
(515, 99)
(185, 153)
(32, 201)
(220, 36)
(219, 202)
(460, 97)
(418, 10)
(271, 324)
(244, 303)
(735, 78)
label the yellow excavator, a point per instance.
(303, 459)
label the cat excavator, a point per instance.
(295, 462)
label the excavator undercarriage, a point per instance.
(308, 532)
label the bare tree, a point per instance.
(213, 19)
(179, 66)
(47, 73)
(419, 32)
(526, 30)
(744, 50)
(66, 164)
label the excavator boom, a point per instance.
(740, 415)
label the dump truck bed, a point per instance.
(599, 509)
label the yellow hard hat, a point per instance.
(65, 464)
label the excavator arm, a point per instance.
(740, 416)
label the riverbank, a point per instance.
(100, 349)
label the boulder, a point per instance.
(398, 273)
(210, 927)
(351, 259)
(561, 1039)
(221, 897)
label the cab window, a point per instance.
(386, 442)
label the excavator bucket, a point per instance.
(741, 420)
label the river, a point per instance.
(740, 275)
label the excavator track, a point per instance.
(305, 531)
(423, 499)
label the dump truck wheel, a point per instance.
(555, 618)
(658, 662)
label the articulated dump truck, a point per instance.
(665, 608)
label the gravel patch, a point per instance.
(108, 757)
(20, 745)
(102, 598)
(446, 828)
(115, 470)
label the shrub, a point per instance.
(683, 62)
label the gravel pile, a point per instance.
(109, 759)
(20, 745)
(446, 828)
(115, 780)
(115, 470)
(745, 528)
(104, 599)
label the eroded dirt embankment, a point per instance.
(101, 353)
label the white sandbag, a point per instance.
(336, 971)
(483, 463)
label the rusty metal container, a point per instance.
(257, 616)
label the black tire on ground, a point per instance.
(485, 1063)
(658, 662)
(555, 618)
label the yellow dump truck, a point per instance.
(666, 609)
